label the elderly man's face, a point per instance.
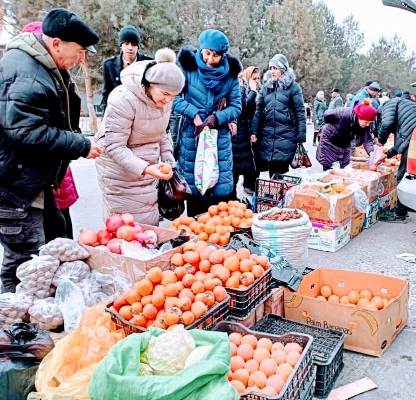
(67, 55)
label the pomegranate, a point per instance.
(87, 237)
(140, 236)
(103, 236)
(113, 222)
(114, 246)
(128, 219)
(125, 232)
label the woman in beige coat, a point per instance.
(133, 135)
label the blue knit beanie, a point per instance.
(130, 34)
(214, 40)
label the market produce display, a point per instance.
(216, 225)
(281, 215)
(260, 365)
(355, 298)
(120, 228)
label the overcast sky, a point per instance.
(376, 20)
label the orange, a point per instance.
(214, 238)
(213, 210)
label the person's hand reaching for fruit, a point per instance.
(160, 171)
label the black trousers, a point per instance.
(22, 231)
(274, 167)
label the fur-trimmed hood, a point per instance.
(283, 82)
(186, 59)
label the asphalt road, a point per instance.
(374, 250)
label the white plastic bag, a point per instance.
(98, 288)
(206, 161)
(13, 308)
(36, 276)
(70, 300)
(406, 191)
(64, 249)
(75, 271)
(46, 314)
(287, 238)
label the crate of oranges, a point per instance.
(216, 225)
(266, 366)
(246, 276)
(165, 298)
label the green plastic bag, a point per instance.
(116, 377)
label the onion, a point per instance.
(87, 237)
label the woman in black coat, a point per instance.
(279, 123)
(243, 159)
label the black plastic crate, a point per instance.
(215, 315)
(327, 348)
(242, 302)
(297, 387)
(271, 193)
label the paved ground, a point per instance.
(373, 250)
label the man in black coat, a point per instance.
(398, 115)
(39, 114)
(129, 42)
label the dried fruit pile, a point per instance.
(259, 365)
(282, 215)
(215, 225)
(355, 298)
(119, 228)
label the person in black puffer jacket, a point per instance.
(243, 158)
(279, 123)
(39, 111)
(398, 115)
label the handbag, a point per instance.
(172, 195)
(301, 158)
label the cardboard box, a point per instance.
(329, 237)
(371, 214)
(360, 152)
(274, 304)
(387, 175)
(357, 224)
(388, 202)
(368, 332)
(371, 180)
(320, 203)
(106, 262)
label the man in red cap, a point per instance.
(343, 130)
